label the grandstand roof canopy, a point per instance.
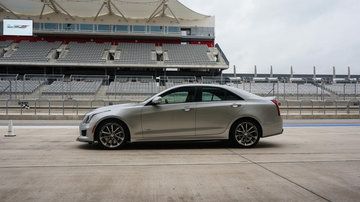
(131, 9)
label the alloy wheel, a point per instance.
(246, 134)
(112, 135)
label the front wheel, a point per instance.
(111, 135)
(245, 133)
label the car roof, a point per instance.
(242, 93)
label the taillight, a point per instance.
(277, 104)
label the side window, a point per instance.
(213, 94)
(181, 95)
(232, 96)
(208, 97)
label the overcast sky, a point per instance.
(301, 33)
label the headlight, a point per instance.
(88, 118)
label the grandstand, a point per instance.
(112, 37)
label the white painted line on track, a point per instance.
(42, 127)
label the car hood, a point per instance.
(114, 107)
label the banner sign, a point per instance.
(18, 27)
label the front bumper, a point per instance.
(83, 139)
(86, 133)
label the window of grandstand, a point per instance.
(139, 28)
(104, 28)
(36, 26)
(69, 27)
(87, 27)
(51, 26)
(156, 29)
(174, 29)
(185, 31)
(121, 28)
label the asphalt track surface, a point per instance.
(314, 160)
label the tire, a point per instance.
(245, 133)
(111, 135)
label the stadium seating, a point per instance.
(20, 86)
(279, 88)
(261, 88)
(89, 52)
(343, 89)
(187, 54)
(298, 89)
(132, 88)
(4, 44)
(123, 53)
(335, 88)
(31, 51)
(288, 89)
(135, 53)
(4, 85)
(309, 89)
(143, 86)
(73, 87)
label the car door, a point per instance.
(217, 108)
(174, 118)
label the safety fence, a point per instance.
(80, 107)
(315, 107)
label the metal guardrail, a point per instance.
(315, 107)
(76, 107)
(37, 103)
(304, 101)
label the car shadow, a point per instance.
(182, 145)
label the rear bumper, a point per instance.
(274, 127)
(274, 134)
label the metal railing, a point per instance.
(79, 107)
(315, 107)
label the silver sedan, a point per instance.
(186, 112)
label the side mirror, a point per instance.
(157, 100)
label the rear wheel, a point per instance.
(245, 133)
(111, 135)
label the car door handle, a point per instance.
(236, 105)
(187, 109)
